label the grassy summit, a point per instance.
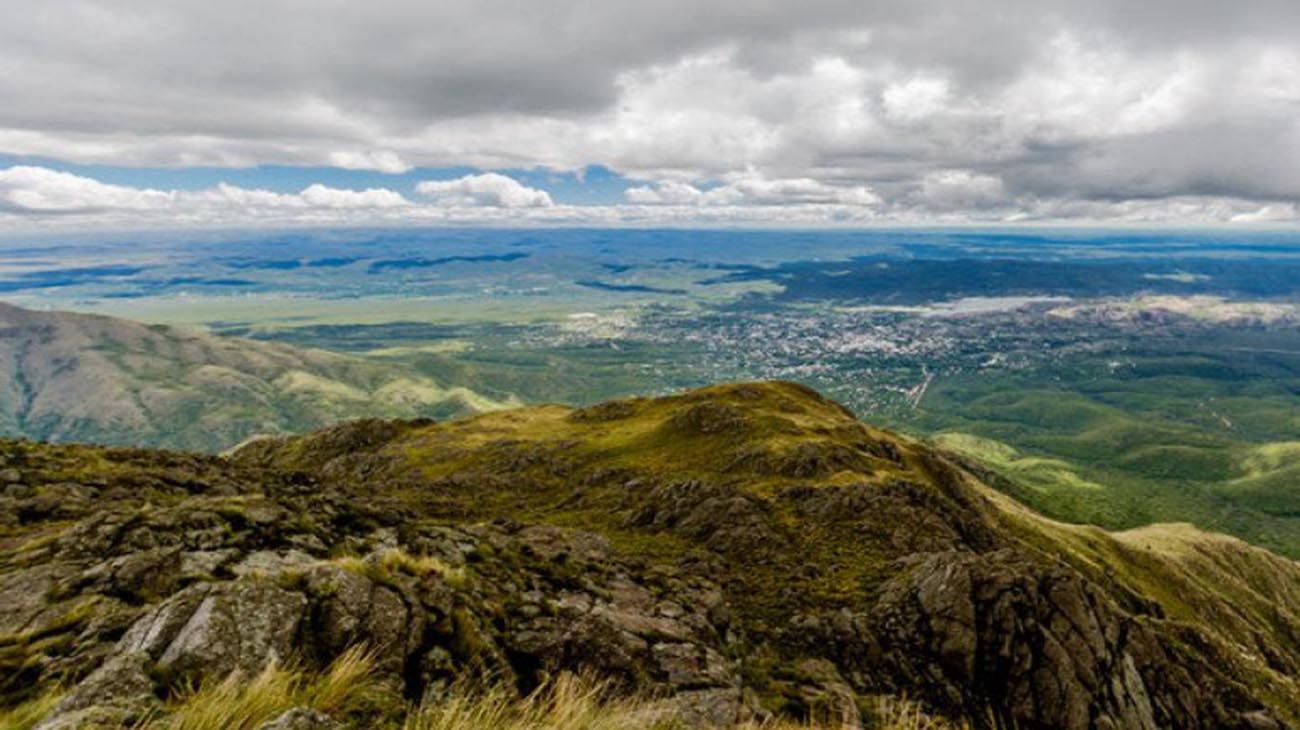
(735, 553)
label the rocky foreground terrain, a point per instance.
(77, 377)
(741, 552)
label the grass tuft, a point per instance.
(392, 562)
(30, 713)
(565, 703)
(235, 703)
(897, 713)
(570, 702)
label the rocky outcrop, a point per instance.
(550, 601)
(1056, 648)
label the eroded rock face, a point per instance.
(555, 601)
(725, 518)
(1059, 652)
(964, 627)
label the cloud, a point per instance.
(914, 99)
(43, 191)
(947, 190)
(488, 189)
(37, 193)
(378, 160)
(320, 196)
(1007, 109)
(753, 190)
(1271, 213)
(665, 192)
(38, 198)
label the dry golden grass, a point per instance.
(568, 702)
(235, 703)
(897, 713)
(574, 703)
(398, 561)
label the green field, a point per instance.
(1198, 438)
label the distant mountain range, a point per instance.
(77, 377)
(737, 554)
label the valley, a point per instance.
(1116, 380)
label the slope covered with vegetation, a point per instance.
(74, 377)
(735, 554)
(1208, 439)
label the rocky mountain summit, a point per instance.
(738, 553)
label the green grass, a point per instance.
(1126, 451)
(30, 713)
(1036, 472)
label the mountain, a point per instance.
(735, 553)
(76, 377)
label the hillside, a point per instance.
(75, 377)
(737, 553)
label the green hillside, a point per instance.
(73, 377)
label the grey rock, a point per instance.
(117, 692)
(99, 717)
(269, 562)
(352, 610)
(1038, 637)
(205, 563)
(301, 718)
(240, 626)
(216, 629)
(708, 708)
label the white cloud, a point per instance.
(378, 160)
(36, 194)
(915, 99)
(961, 189)
(231, 199)
(753, 190)
(1271, 213)
(665, 192)
(487, 189)
(1094, 90)
(320, 196)
(41, 190)
(39, 198)
(224, 195)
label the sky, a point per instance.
(172, 113)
